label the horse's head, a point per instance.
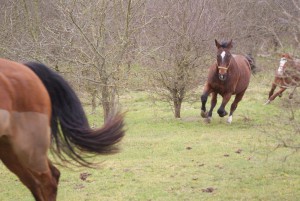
(223, 58)
(282, 63)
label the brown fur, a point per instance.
(25, 126)
(25, 100)
(289, 79)
(237, 70)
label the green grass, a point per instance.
(167, 159)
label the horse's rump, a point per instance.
(21, 90)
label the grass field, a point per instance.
(167, 159)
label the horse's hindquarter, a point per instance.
(23, 88)
(25, 109)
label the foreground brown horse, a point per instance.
(230, 75)
(38, 105)
(286, 76)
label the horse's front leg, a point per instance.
(204, 97)
(221, 111)
(212, 106)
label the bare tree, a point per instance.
(288, 14)
(175, 59)
(94, 43)
(96, 38)
(180, 36)
(20, 25)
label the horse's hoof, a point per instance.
(223, 114)
(267, 102)
(207, 120)
(203, 114)
(229, 120)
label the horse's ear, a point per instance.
(217, 44)
(229, 45)
(288, 56)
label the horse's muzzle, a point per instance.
(222, 77)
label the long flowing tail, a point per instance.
(251, 61)
(69, 125)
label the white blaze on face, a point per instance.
(283, 60)
(223, 55)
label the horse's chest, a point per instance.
(219, 88)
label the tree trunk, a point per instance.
(94, 102)
(105, 102)
(177, 108)
(109, 101)
(177, 101)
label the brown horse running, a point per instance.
(230, 75)
(39, 110)
(286, 76)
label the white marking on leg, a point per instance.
(229, 120)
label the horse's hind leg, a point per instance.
(272, 90)
(234, 105)
(281, 90)
(54, 171)
(31, 142)
(35, 182)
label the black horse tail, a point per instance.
(251, 61)
(70, 129)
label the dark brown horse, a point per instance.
(39, 110)
(230, 75)
(286, 76)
